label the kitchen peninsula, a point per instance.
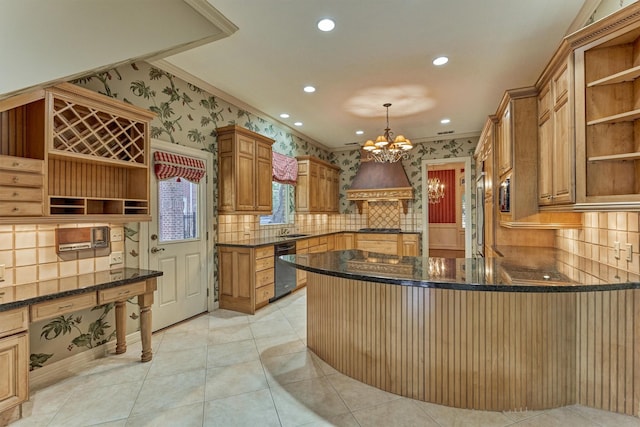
(539, 328)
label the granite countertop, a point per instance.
(520, 270)
(266, 241)
(14, 296)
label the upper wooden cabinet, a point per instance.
(317, 189)
(244, 171)
(607, 71)
(71, 154)
(556, 150)
(517, 154)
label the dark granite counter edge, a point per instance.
(277, 240)
(467, 286)
(144, 275)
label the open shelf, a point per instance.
(627, 116)
(623, 76)
(624, 156)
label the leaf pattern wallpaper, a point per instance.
(188, 115)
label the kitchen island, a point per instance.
(537, 329)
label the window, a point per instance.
(178, 213)
(282, 195)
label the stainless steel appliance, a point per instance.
(480, 214)
(285, 274)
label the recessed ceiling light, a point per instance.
(359, 132)
(309, 89)
(298, 123)
(284, 116)
(445, 121)
(441, 60)
(326, 24)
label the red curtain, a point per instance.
(170, 165)
(444, 212)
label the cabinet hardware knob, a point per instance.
(15, 179)
(15, 164)
(62, 307)
(16, 209)
(124, 292)
(1, 294)
(15, 194)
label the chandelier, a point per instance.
(435, 190)
(386, 148)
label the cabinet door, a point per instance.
(264, 197)
(245, 174)
(562, 155)
(545, 162)
(302, 187)
(314, 188)
(505, 141)
(236, 273)
(14, 370)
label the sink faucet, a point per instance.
(283, 232)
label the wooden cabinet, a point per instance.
(607, 83)
(345, 241)
(246, 277)
(410, 244)
(517, 154)
(14, 358)
(317, 189)
(388, 243)
(244, 171)
(556, 152)
(84, 156)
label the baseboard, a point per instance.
(67, 367)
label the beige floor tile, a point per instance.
(235, 379)
(271, 328)
(248, 409)
(279, 345)
(326, 368)
(398, 413)
(291, 367)
(303, 402)
(183, 416)
(173, 362)
(105, 404)
(342, 420)
(196, 323)
(49, 400)
(452, 417)
(561, 417)
(183, 340)
(231, 353)
(516, 416)
(606, 418)
(34, 420)
(171, 391)
(270, 312)
(229, 334)
(357, 395)
(221, 318)
(111, 372)
(118, 423)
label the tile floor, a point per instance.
(229, 369)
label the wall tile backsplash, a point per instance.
(28, 253)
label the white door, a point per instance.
(177, 243)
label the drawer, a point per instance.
(264, 277)
(318, 248)
(21, 164)
(314, 241)
(264, 294)
(14, 321)
(19, 179)
(21, 209)
(48, 309)
(23, 194)
(121, 293)
(264, 252)
(7, 294)
(302, 244)
(264, 263)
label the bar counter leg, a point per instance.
(121, 327)
(145, 301)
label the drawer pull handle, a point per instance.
(62, 307)
(15, 179)
(124, 292)
(16, 209)
(2, 294)
(15, 164)
(16, 194)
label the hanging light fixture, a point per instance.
(435, 190)
(386, 148)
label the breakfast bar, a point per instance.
(536, 329)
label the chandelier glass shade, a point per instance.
(386, 148)
(435, 190)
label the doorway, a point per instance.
(446, 231)
(176, 241)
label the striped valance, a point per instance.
(285, 169)
(169, 165)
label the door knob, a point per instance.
(155, 250)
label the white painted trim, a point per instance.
(68, 367)
(425, 202)
(213, 15)
(190, 78)
(585, 12)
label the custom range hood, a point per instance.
(377, 181)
